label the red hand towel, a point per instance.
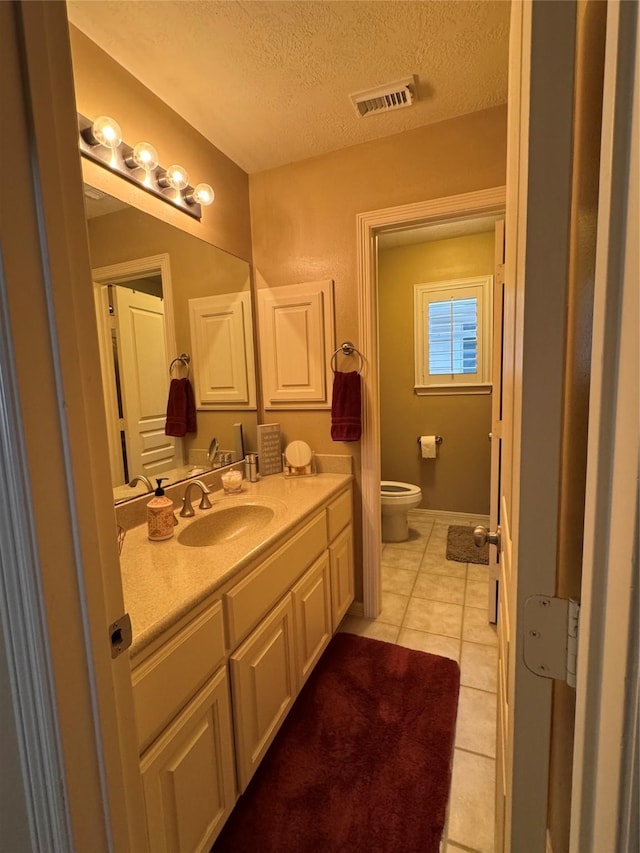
(191, 408)
(346, 408)
(181, 409)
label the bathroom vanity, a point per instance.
(229, 618)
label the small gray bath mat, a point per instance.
(461, 547)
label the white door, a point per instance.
(541, 65)
(144, 378)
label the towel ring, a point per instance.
(347, 348)
(184, 359)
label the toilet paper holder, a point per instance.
(438, 439)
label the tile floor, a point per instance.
(440, 606)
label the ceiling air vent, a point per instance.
(393, 96)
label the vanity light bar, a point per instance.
(101, 141)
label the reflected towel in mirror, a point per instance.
(181, 409)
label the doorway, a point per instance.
(427, 602)
(370, 226)
(431, 263)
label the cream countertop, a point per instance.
(164, 581)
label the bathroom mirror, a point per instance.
(147, 274)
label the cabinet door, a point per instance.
(188, 774)
(264, 687)
(342, 583)
(312, 614)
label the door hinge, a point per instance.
(551, 637)
(120, 635)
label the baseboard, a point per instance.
(462, 517)
(356, 609)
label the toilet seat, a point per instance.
(394, 493)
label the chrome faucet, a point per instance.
(205, 503)
(140, 478)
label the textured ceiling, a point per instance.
(268, 83)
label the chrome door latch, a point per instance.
(551, 637)
(120, 635)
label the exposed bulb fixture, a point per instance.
(145, 156)
(101, 141)
(202, 194)
(106, 131)
(177, 177)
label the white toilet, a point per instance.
(396, 500)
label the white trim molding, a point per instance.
(368, 226)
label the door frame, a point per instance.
(73, 727)
(368, 226)
(604, 807)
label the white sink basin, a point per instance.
(227, 522)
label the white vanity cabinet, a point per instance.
(188, 774)
(339, 519)
(264, 687)
(211, 694)
(312, 617)
(185, 735)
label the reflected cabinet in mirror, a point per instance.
(161, 293)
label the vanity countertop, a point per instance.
(164, 581)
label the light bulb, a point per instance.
(202, 194)
(107, 132)
(177, 177)
(145, 156)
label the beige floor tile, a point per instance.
(398, 580)
(446, 647)
(477, 594)
(477, 572)
(417, 541)
(476, 627)
(436, 564)
(419, 522)
(401, 558)
(434, 617)
(369, 628)
(476, 727)
(438, 539)
(439, 588)
(393, 608)
(453, 848)
(479, 667)
(471, 807)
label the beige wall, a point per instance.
(303, 220)
(197, 269)
(103, 87)
(458, 480)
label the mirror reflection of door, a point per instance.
(135, 378)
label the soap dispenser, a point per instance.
(160, 518)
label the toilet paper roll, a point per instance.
(428, 446)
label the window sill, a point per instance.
(448, 390)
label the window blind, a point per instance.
(453, 336)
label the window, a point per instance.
(452, 322)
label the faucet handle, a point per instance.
(187, 509)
